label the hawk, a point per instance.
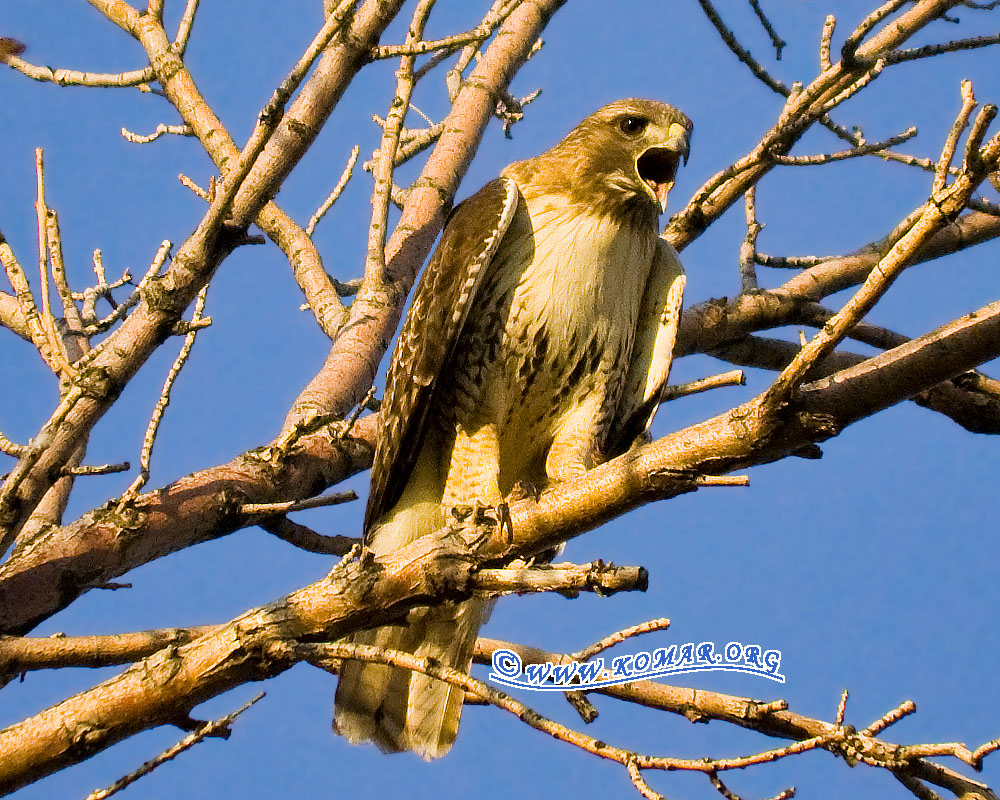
(535, 347)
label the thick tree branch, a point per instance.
(368, 592)
(59, 564)
(20, 654)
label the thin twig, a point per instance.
(984, 750)
(722, 480)
(161, 405)
(510, 109)
(971, 156)
(850, 91)
(748, 275)
(951, 142)
(288, 506)
(898, 56)
(54, 241)
(726, 792)
(160, 130)
(618, 637)
(741, 52)
(382, 169)
(337, 190)
(954, 749)
(72, 77)
(926, 164)
(434, 61)
(639, 782)
(875, 148)
(829, 25)
(219, 727)
(412, 143)
(791, 262)
(194, 187)
(581, 705)
(159, 259)
(11, 448)
(776, 41)
(97, 469)
(90, 295)
(842, 707)
(26, 303)
(184, 28)
(56, 344)
(352, 418)
(74, 337)
(904, 709)
(734, 377)
(306, 538)
(418, 48)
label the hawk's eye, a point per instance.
(632, 126)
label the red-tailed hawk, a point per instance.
(539, 333)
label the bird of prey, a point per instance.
(537, 342)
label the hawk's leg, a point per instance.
(572, 451)
(473, 480)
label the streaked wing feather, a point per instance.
(427, 341)
(652, 351)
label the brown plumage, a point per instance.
(539, 332)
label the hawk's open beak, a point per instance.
(657, 165)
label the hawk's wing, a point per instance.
(427, 341)
(652, 351)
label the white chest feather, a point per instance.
(585, 275)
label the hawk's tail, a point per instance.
(402, 710)
(395, 708)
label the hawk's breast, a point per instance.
(551, 328)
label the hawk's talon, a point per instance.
(506, 523)
(482, 515)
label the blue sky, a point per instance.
(873, 569)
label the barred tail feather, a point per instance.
(434, 708)
(364, 689)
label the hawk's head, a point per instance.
(622, 158)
